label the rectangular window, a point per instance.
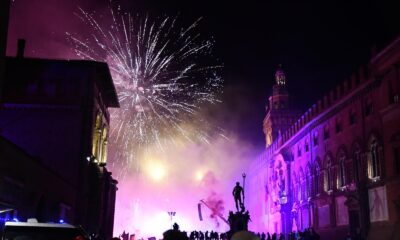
(338, 126)
(299, 151)
(306, 147)
(326, 133)
(315, 139)
(352, 117)
(369, 109)
(396, 98)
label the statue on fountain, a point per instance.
(238, 221)
(238, 195)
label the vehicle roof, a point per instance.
(32, 224)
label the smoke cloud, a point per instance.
(176, 180)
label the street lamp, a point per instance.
(244, 181)
(171, 215)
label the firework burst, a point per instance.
(162, 74)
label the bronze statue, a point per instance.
(238, 194)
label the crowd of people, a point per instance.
(307, 234)
(176, 234)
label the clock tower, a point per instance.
(280, 113)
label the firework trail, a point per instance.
(162, 74)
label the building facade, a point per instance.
(55, 113)
(337, 167)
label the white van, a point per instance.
(42, 231)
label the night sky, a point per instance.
(318, 44)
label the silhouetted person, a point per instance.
(263, 236)
(124, 236)
(238, 194)
(274, 236)
(174, 234)
(201, 236)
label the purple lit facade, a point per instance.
(336, 168)
(54, 123)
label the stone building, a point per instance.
(54, 123)
(337, 167)
(56, 112)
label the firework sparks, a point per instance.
(162, 76)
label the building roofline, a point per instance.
(106, 85)
(385, 50)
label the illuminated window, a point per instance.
(374, 159)
(96, 136)
(342, 171)
(328, 183)
(99, 140)
(104, 137)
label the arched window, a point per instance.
(341, 158)
(302, 184)
(104, 141)
(306, 146)
(298, 189)
(96, 135)
(295, 189)
(326, 132)
(328, 183)
(315, 139)
(317, 176)
(308, 182)
(357, 166)
(374, 159)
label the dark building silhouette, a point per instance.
(54, 125)
(337, 167)
(56, 112)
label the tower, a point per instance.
(280, 113)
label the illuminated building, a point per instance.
(54, 123)
(337, 167)
(280, 112)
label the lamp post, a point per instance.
(171, 215)
(244, 182)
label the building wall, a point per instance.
(330, 153)
(53, 135)
(57, 112)
(32, 189)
